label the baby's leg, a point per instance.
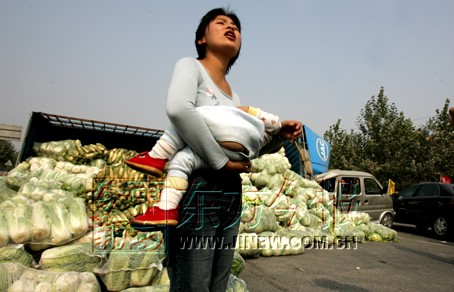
(172, 193)
(154, 161)
(184, 163)
(169, 143)
(180, 168)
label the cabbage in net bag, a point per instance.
(80, 257)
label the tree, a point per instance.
(386, 144)
(7, 153)
(438, 138)
(343, 154)
(387, 141)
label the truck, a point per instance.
(309, 155)
(45, 127)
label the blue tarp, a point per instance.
(319, 151)
(318, 148)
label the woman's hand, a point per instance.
(291, 130)
(238, 166)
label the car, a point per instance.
(359, 191)
(427, 205)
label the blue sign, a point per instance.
(319, 150)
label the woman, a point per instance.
(202, 244)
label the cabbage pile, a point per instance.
(70, 207)
(71, 204)
(284, 213)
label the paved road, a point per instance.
(417, 262)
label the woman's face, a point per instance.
(222, 35)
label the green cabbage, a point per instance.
(236, 284)
(238, 264)
(387, 234)
(374, 237)
(279, 244)
(18, 254)
(19, 223)
(263, 219)
(10, 272)
(59, 233)
(18, 176)
(4, 234)
(247, 245)
(72, 257)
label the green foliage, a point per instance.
(438, 137)
(388, 145)
(7, 153)
(344, 155)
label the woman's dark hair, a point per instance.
(205, 21)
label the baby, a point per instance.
(240, 131)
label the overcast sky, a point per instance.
(317, 61)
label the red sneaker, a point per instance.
(145, 163)
(156, 216)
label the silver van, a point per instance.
(359, 191)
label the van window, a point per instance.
(372, 187)
(328, 184)
(350, 186)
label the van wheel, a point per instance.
(440, 226)
(387, 220)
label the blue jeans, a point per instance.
(201, 246)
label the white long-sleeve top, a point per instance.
(191, 87)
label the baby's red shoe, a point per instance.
(156, 216)
(143, 162)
